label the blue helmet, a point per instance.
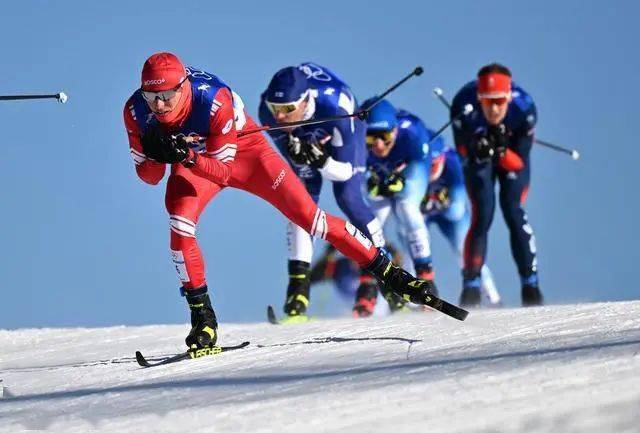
(382, 116)
(287, 85)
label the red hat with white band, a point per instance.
(494, 81)
(162, 71)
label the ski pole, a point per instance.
(361, 114)
(465, 112)
(575, 155)
(61, 97)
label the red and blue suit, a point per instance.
(512, 170)
(215, 115)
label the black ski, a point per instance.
(287, 320)
(271, 316)
(189, 354)
(445, 307)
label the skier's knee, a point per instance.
(182, 227)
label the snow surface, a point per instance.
(573, 368)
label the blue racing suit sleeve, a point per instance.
(523, 134)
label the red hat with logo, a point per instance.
(162, 71)
(494, 81)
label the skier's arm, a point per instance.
(520, 142)
(222, 143)
(462, 137)
(341, 149)
(148, 170)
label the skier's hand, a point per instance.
(373, 184)
(435, 202)
(163, 147)
(294, 148)
(315, 151)
(498, 136)
(393, 184)
(483, 150)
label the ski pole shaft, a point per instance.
(467, 109)
(575, 155)
(440, 95)
(296, 124)
(61, 97)
(416, 72)
(361, 114)
(571, 152)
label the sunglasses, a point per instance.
(286, 107)
(498, 101)
(385, 136)
(163, 95)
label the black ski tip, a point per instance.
(418, 70)
(141, 361)
(454, 311)
(271, 316)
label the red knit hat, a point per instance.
(162, 71)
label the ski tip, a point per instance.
(141, 361)
(271, 315)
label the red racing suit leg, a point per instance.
(260, 170)
(186, 197)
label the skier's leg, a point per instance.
(406, 205)
(514, 187)
(273, 180)
(480, 180)
(300, 245)
(350, 198)
(185, 199)
(455, 231)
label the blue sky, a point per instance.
(85, 243)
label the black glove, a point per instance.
(163, 147)
(435, 202)
(313, 147)
(483, 149)
(373, 184)
(385, 187)
(294, 148)
(315, 152)
(498, 136)
(393, 184)
(309, 147)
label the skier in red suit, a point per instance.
(190, 119)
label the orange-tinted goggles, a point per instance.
(385, 136)
(498, 101)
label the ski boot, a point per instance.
(298, 289)
(395, 279)
(531, 295)
(425, 272)
(366, 297)
(204, 325)
(470, 296)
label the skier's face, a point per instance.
(495, 109)
(164, 102)
(382, 142)
(282, 116)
